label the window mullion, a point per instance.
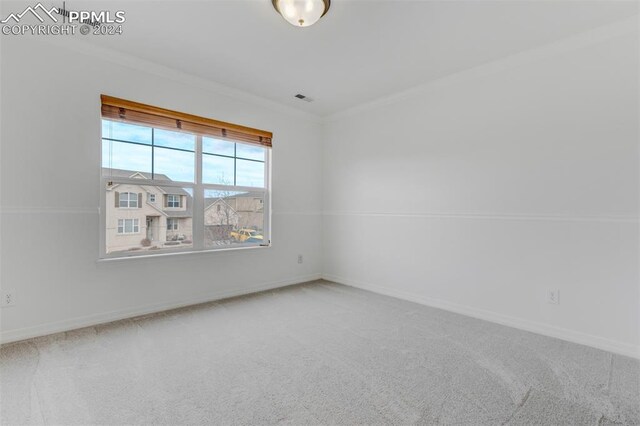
(198, 200)
(153, 153)
(267, 197)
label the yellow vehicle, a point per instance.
(246, 236)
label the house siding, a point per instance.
(157, 228)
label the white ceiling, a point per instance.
(360, 51)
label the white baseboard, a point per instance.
(91, 320)
(523, 324)
(532, 326)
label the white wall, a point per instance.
(476, 193)
(50, 139)
(479, 192)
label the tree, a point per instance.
(222, 217)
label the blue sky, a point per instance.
(179, 165)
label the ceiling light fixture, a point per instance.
(302, 13)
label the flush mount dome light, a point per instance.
(302, 13)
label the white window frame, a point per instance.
(128, 201)
(152, 197)
(135, 223)
(198, 189)
(174, 224)
(173, 199)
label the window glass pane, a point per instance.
(121, 159)
(252, 152)
(170, 164)
(174, 139)
(217, 169)
(174, 201)
(249, 173)
(106, 128)
(128, 199)
(233, 218)
(126, 132)
(146, 228)
(217, 146)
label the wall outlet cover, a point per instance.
(8, 299)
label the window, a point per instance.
(154, 153)
(173, 200)
(229, 163)
(128, 199)
(128, 226)
(220, 168)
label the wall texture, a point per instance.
(477, 193)
(50, 190)
(480, 192)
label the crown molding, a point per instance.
(573, 42)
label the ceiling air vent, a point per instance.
(303, 98)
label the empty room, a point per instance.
(320, 212)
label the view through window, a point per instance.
(170, 190)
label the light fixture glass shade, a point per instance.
(301, 13)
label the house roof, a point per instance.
(208, 202)
(132, 174)
(180, 214)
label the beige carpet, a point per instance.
(318, 353)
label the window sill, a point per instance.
(229, 250)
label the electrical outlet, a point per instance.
(8, 299)
(553, 297)
(300, 259)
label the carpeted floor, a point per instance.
(318, 353)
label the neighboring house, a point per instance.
(225, 213)
(241, 212)
(163, 215)
(135, 213)
(220, 218)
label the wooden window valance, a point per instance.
(135, 112)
